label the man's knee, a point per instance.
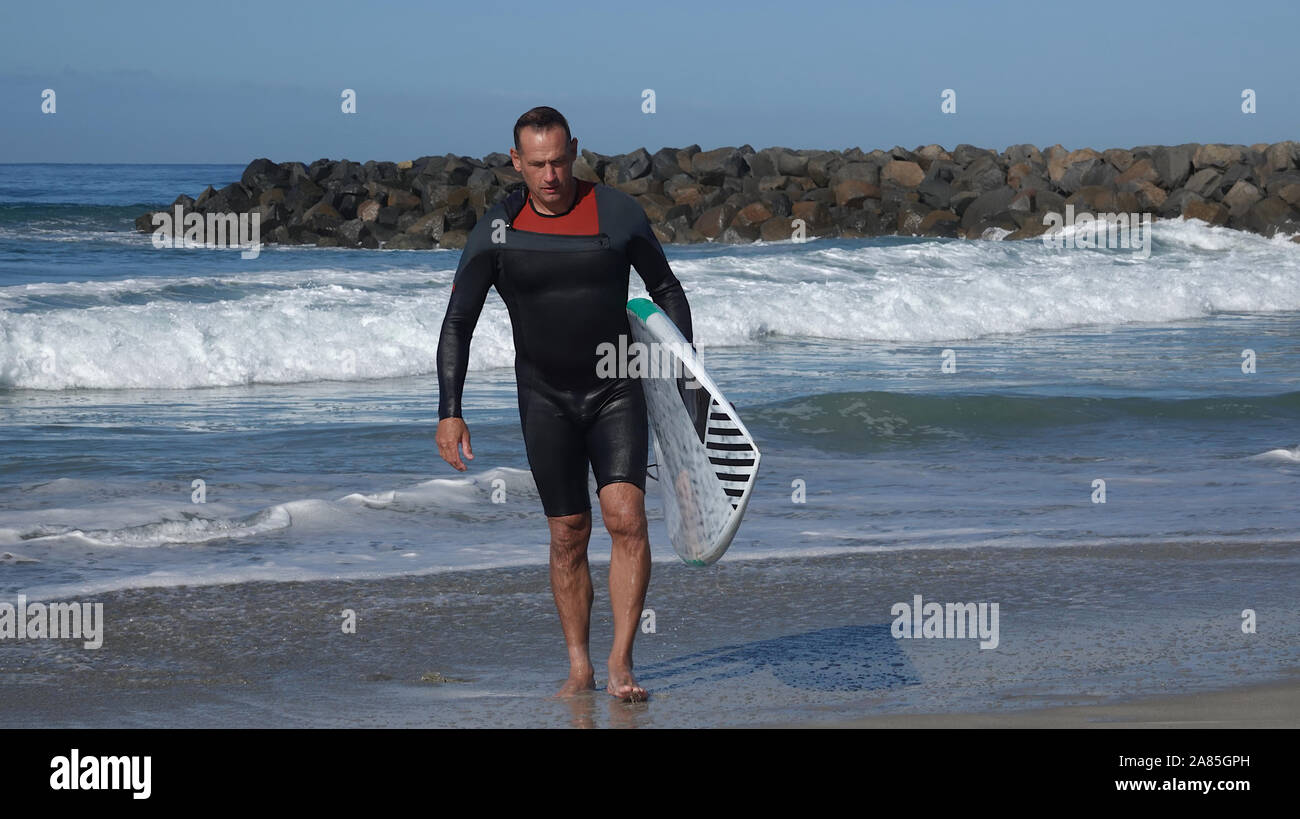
(627, 528)
(623, 511)
(570, 533)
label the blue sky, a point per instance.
(140, 82)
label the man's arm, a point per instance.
(474, 276)
(647, 256)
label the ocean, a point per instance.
(175, 420)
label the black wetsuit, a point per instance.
(566, 296)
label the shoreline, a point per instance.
(796, 641)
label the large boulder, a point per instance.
(982, 175)
(1212, 212)
(1173, 164)
(852, 192)
(816, 217)
(1028, 154)
(902, 173)
(321, 218)
(1216, 156)
(712, 167)
(1176, 203)
(1204, 182)
(410, 241)
(1281, 156)
(714, 220)
(629, 166)
(663, 163)
(263, 173)
(1270, 216)
(1240, 198)
(989, 210)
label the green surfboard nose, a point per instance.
(642, 308)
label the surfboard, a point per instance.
(708, 462)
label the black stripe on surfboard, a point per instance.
(729, 431)
(720, 447)
(735, 493)
(733, 462)
(727, 476)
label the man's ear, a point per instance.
(573, 147)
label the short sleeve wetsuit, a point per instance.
(564, 281)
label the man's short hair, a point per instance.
(543, 116)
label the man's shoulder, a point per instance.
(612, 195)
(494, 215)
(622, 207)
(501, 208)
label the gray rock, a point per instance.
(408, 241)
(1234, 174)
(1101, 173)
(1272, 215)
(1241, 197)
(935, 193)
(989, 210)
(1204, 182)
(1023, 153)
(1279, 180)
(663, 164)
(1282, 156)
(961, 200)
(861, 171)
(1074, 176)
(791, 164)
(1216, 156)
(630, 166)
(821, 165)
(964, 154)
(263, 173)
(1173, 164)
(713, 167)
(981, 176)
(1177, 202)
(480, 179)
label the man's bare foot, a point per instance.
(580, 681)
(623, 685)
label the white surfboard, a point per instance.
(707, 460)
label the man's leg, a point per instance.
(571, 587)
(622, 505)
(558, 459)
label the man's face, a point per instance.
(546, 163)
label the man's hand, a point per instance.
(452, 435)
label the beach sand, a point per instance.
(1271, 705)
(1088, 636)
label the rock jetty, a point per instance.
(740, 195)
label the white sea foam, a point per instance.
(130, 523)
(1284, 455)
(334, 324)
(189, 528)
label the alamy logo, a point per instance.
(243, 230)
(1109, 230)
(638, 359)
(954, 621)
(102, 773)
(55, 621)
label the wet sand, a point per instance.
(1116, 635)
(1272, 705)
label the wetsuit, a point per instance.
(564, 280)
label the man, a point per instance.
(558, 251)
